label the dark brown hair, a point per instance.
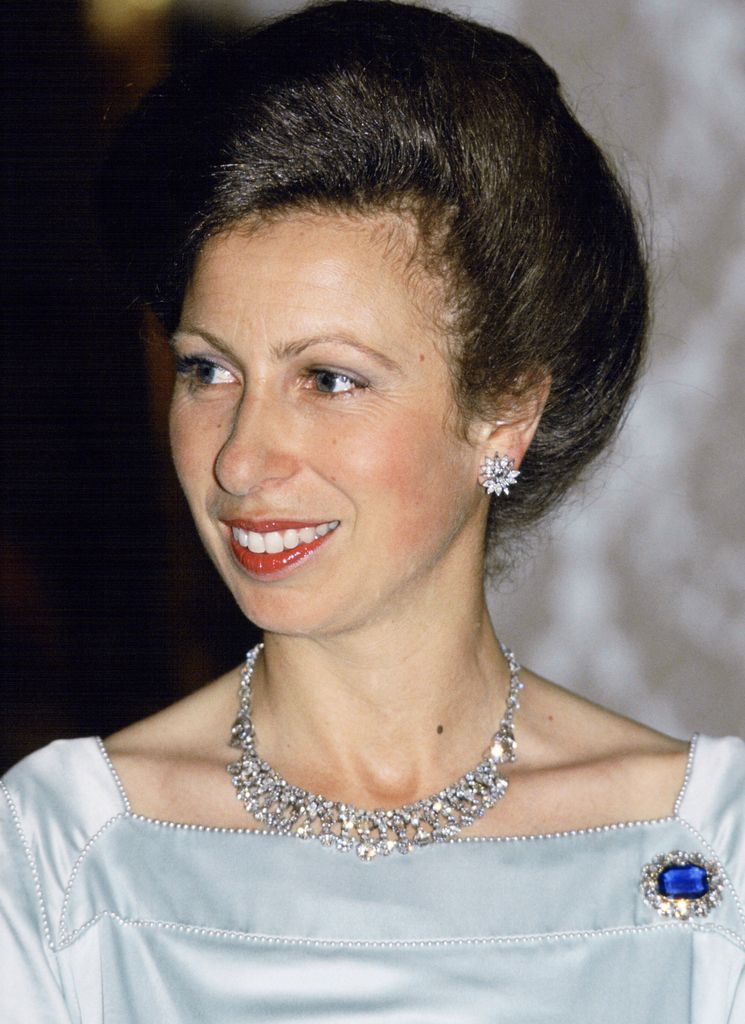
(364, 106)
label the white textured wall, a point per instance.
(637, 598)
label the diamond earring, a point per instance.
(498, 474)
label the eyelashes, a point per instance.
(334, 382)
(201, 373)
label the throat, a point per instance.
(395, 796)
(376, 783)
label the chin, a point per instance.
(287, 614)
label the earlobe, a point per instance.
(504, 442)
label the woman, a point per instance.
(407, 305)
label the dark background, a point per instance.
(110, 610)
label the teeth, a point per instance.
(276, 541)
(255, 543)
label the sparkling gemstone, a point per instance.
(497, 749)
(683, 882)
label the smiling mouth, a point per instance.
(277, 546)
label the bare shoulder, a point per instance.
(570, 728)
(172, 763)
(582, 765)
(186, 726)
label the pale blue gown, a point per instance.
(109, 916)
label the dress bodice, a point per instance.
(110, 916)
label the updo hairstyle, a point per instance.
(366, 106)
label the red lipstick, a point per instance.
(270, 525)
(267, 564)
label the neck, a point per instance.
(383, 715)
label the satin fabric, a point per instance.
(107, 916)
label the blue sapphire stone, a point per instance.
(683, 882)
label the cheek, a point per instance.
(411, 478)
(182, 444)
(194, 446)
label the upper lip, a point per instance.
(272, 525)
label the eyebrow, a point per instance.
(199, 332)
(291, 349)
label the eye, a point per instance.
(199, 372)
(332, 382)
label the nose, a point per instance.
(257, 450)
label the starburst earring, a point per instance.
(498, 474)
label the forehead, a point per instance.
(318, 273)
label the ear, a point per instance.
(511, 434)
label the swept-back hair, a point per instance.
(366, 105)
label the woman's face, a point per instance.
(313, 425)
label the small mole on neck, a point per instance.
(439, 729)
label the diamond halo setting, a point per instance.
(681, 885)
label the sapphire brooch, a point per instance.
(681, 885)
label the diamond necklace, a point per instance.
(290, 810)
